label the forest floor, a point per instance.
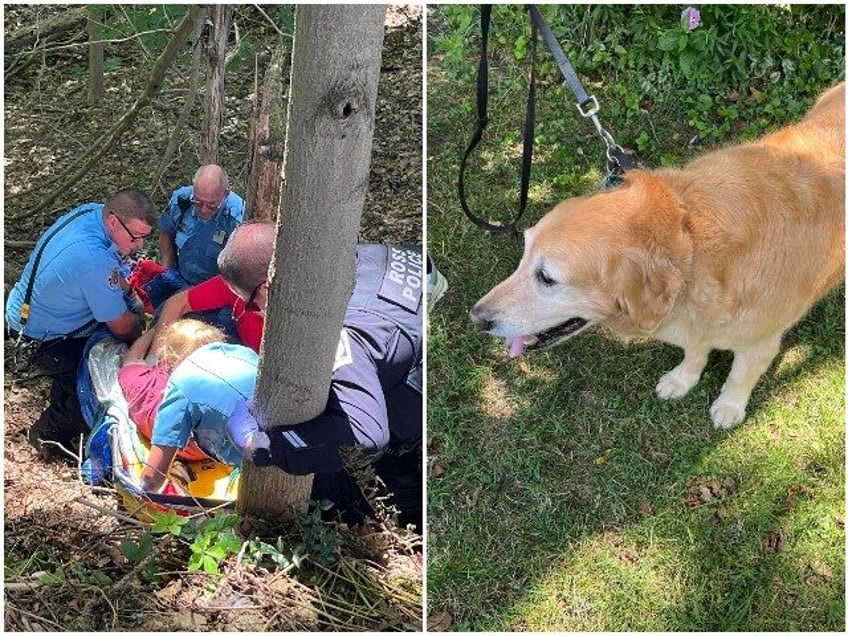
(64, 567)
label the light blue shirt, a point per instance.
(77, 279)
(200, 396)
(199, 242)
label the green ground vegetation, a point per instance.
(562, 494)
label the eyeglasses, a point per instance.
(209, 204)
(248, 302)
(134, 237)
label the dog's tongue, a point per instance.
(516, 345)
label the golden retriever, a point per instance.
(726, 253)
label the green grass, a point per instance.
(560, 487)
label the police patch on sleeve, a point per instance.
(344, 354)
(114, 279)
(402, 281)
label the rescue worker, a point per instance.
(193, 229)
(70, 284)
(253, 247)
(375, 399)
(199, 397)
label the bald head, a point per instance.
(211, 186)
(213, 175)
(245, 259)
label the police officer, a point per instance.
(192, 231)
(70, 284)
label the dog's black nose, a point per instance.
(479, 318)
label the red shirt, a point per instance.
(144, 387)
(215, 294)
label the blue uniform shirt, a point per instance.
(199, 242)
(200, 396)
(77, 281)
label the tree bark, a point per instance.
(102, 146)
(267, 138)
(335, 70)
(216, 66)
(95, 57)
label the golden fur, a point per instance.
(726, 253)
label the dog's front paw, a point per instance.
(726, 414)
(674, 385)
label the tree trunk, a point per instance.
(267, 138)
(216, 65)
(102, 146)
(335, 70)
(95, 56)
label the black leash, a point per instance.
(617, 161)
(483, 119)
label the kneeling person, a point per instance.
(193, 229)
(200, 396)
(375, 400)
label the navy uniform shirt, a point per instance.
(375, 396)
(77, 280)
(199, 242)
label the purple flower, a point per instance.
(691, 18)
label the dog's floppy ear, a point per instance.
(645, 287)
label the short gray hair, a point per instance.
(246, 257)
(216, 171)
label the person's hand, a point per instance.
(134, 303)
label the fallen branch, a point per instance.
(56, 24)
(109, 512)
(63, 47)
(20, 245)
(9, 607)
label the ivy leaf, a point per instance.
(136, 551)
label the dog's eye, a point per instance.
(542, 277)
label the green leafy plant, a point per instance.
(742, 70)
(258, 551)
(319, 539)
(214, 540)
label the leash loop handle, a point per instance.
(483, 120)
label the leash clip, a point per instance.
(593, 109)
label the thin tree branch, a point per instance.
(77, 45)
(270, 21)
(103, 145)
